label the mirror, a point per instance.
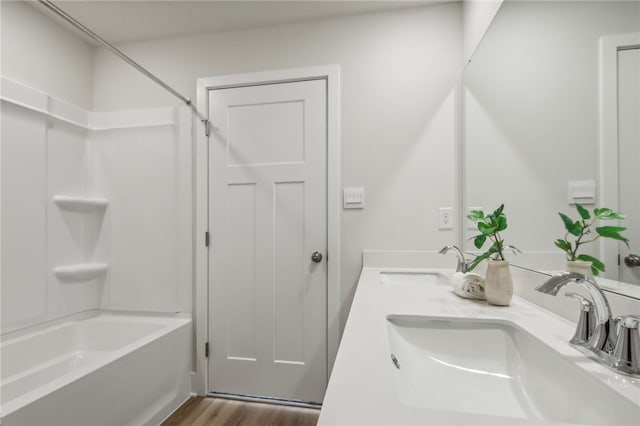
(534, 120)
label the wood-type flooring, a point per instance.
(201, 411)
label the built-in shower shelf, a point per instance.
(80, 204)
(80, 271)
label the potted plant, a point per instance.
(581, 232)
(498, 285)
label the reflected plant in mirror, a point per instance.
(581, 232)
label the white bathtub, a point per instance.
(96, 368)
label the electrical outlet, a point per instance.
(471, 224)
(445, 218)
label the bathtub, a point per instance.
(96, 368)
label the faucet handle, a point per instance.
(626, 353)
(586, 321)
(629, 321)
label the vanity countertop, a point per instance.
(361, 389)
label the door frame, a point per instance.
(330, 73)
(608, 138)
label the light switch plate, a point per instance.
(353, 198)
(582, 192)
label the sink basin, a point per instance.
(495, 368)
(408, 278)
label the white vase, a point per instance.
(580, 266)
(498, 284)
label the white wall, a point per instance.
(141, 162)
(143, 169)
(477, 16)
(42, 54)
(398, 73)
(41, 159)
(23, 218)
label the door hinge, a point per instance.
(206, 349)
(618, 259)
(206, 239)
(206, 127)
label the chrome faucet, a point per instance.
(604, 336)
(600, 339)
(462, 265)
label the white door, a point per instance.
(629, 157)
(267, 217)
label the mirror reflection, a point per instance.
(551, 118)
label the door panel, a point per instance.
(267, 215)
(289, 260)
(280, 126)
(241, 301)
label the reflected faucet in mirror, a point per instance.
(614, 342)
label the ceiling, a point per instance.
(127, 21)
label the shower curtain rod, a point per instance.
(55, 9)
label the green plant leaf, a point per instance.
(610, 232)
(475, 215)
(477, 261)
(498, 211)
(608, 214)
(574, 228)
(563, 245)
(479, 240)
(486, 229)
(482, 257)
(595, 262)
(584, 213)
(502, 223)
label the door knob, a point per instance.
(316, 257)
(632, 260)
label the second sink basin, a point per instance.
(495, 368)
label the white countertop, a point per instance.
(361, 389)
